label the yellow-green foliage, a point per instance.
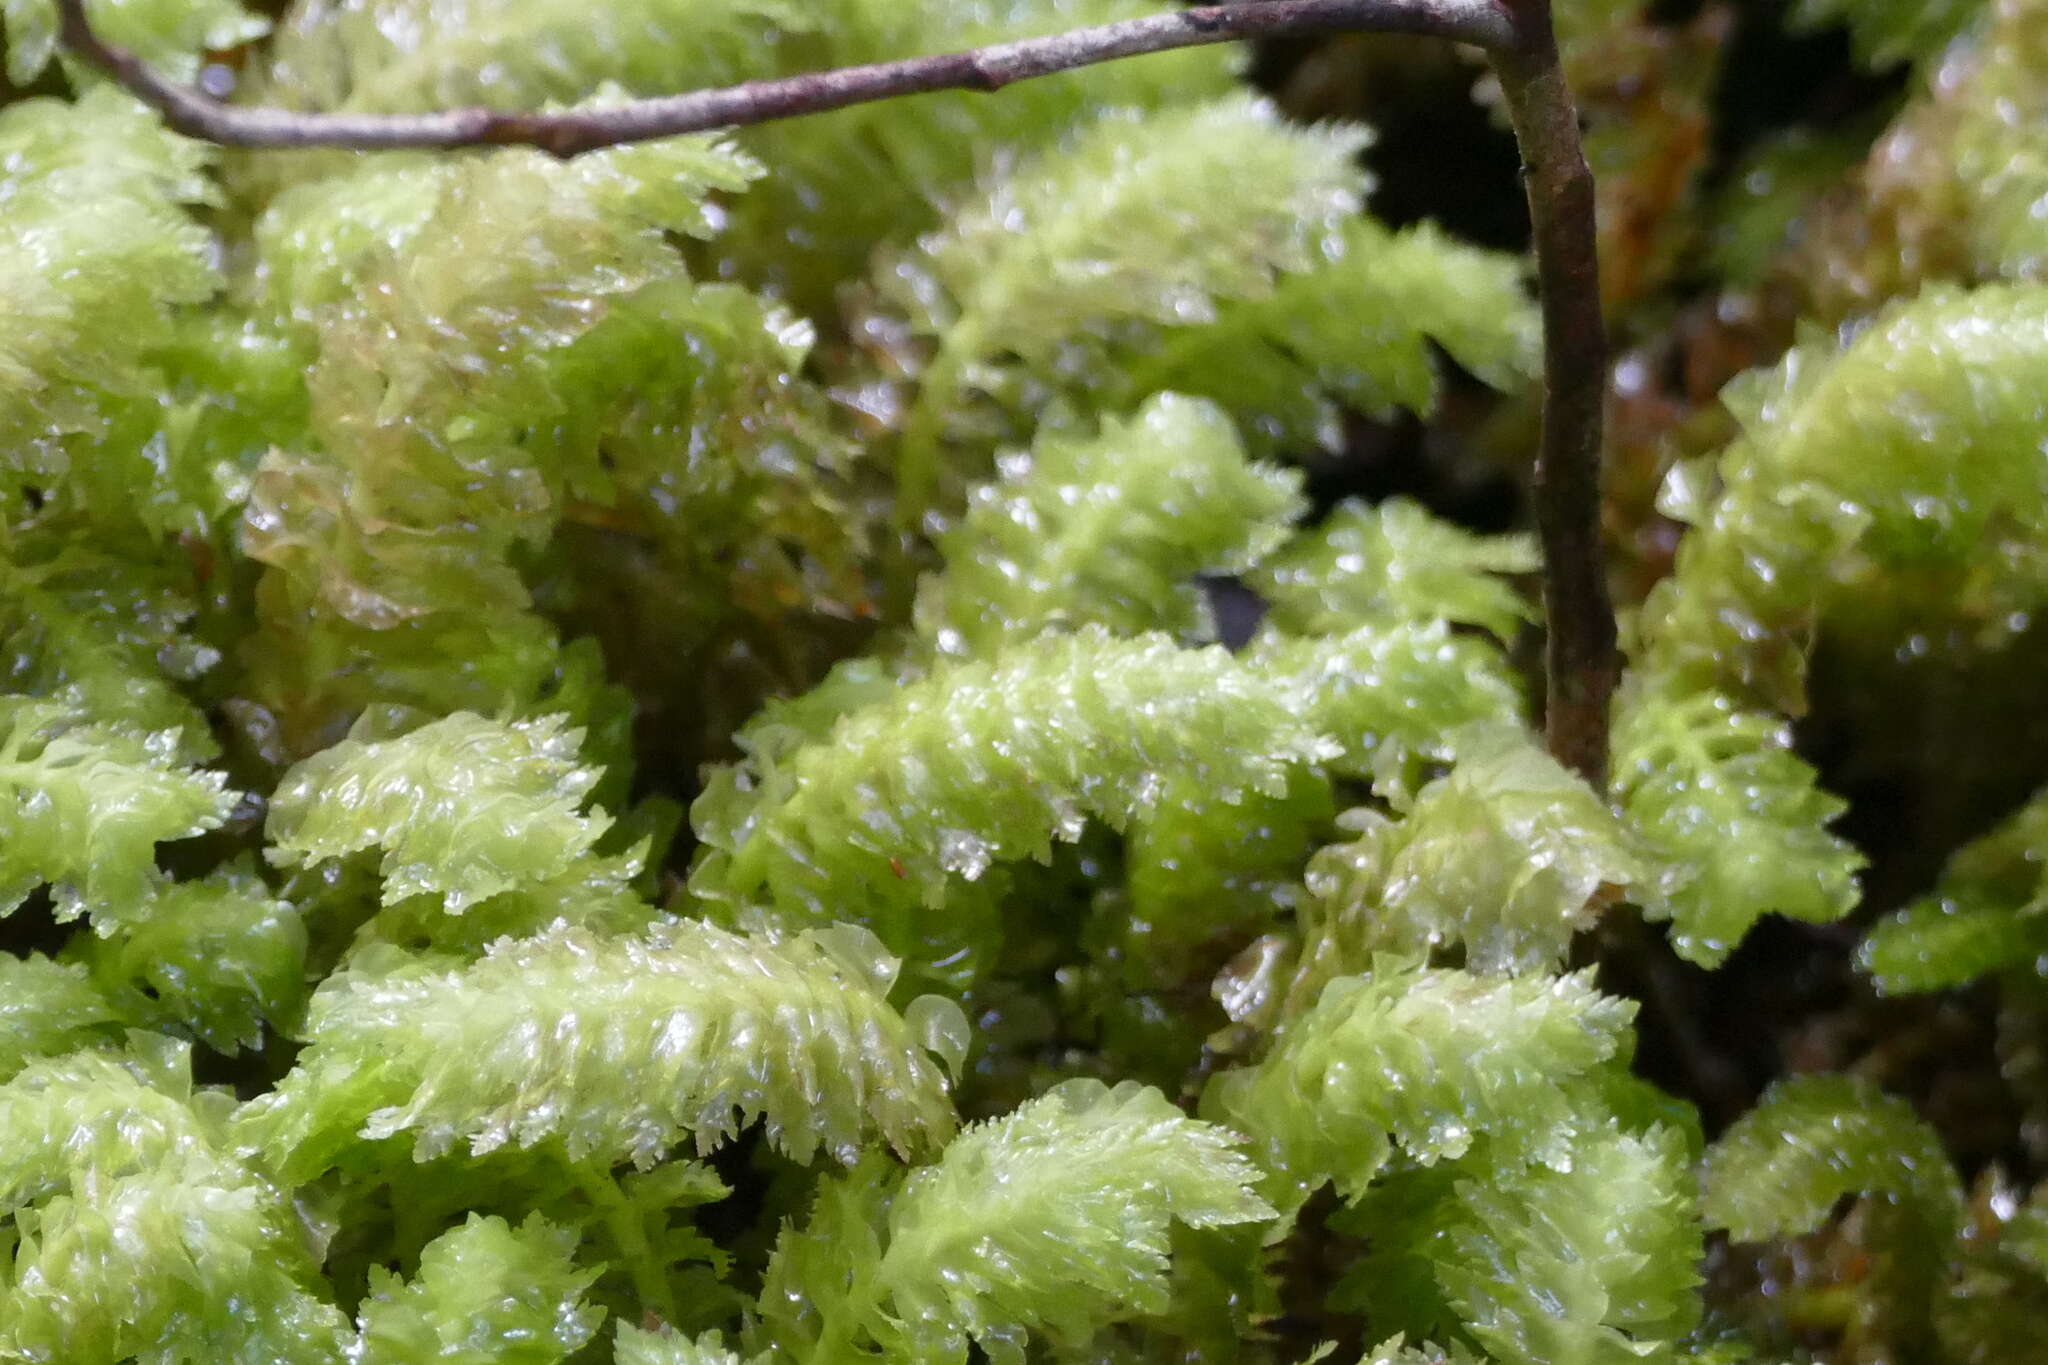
(390, 545)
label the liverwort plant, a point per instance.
(616, 739)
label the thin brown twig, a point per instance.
(569, 132)
(1580, 662)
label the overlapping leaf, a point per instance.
(487, 1293)
(1986, 914)
(1353, 329)
(1052, 1220)
(96, 249)
(83, 807)
(1394, 563)
(984, 763)
(1109, 530)
(463, 808)
(1501, 857)
(1595, 1260)
(1428, 1061)
(1899, 472)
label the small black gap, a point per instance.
(1403, 456)
(1480, 203)
(732, 1217)
(34, 929)
(1236, 608)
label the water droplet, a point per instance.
(963, 852)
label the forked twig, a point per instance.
(1580, 663)
(568, 132)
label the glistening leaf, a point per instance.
(984, 763)
(47, 1009)
(1780, 1169)
(1732, 817)
(1426, 1060)
(1898, 472)
(1136, 222)
(1594, 1260)
(1353, 328)
(1501, 857)
(1398, 696)
(619, 1048)
(83, 807)
(1988, 913)
(217, 958)
(1051, 1220)
(1393, 563)
(1108, 530)
(486, 1293)
(96, 249)
(464, 808)
(138, 1234)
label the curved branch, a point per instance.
(569, 132)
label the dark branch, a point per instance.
(569, 132)
(1580, 661)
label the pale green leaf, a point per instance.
(1594, 1260)
(1428, 1061)
(1501, 857)
(90, 1117)
(1899, 474)
(1051, 1220)
(1396, 1351)
(1134, 223)
(1353, 328)
(463, 808)
(171, 35)
(1110, 529)
(984, 763)
(1732, 818)
(486, 1293)
(137, 1233)
(107, 631)
(1397, 695)
(83, 807)
(216, 958)
(1989, 913)
(618, 1048)
(48, 1009)
(1781, 1168)
(1394, 562)
(96, 248)
(172, 1264)
(637, 1346)
(1054, 1219)
(1128, 222)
